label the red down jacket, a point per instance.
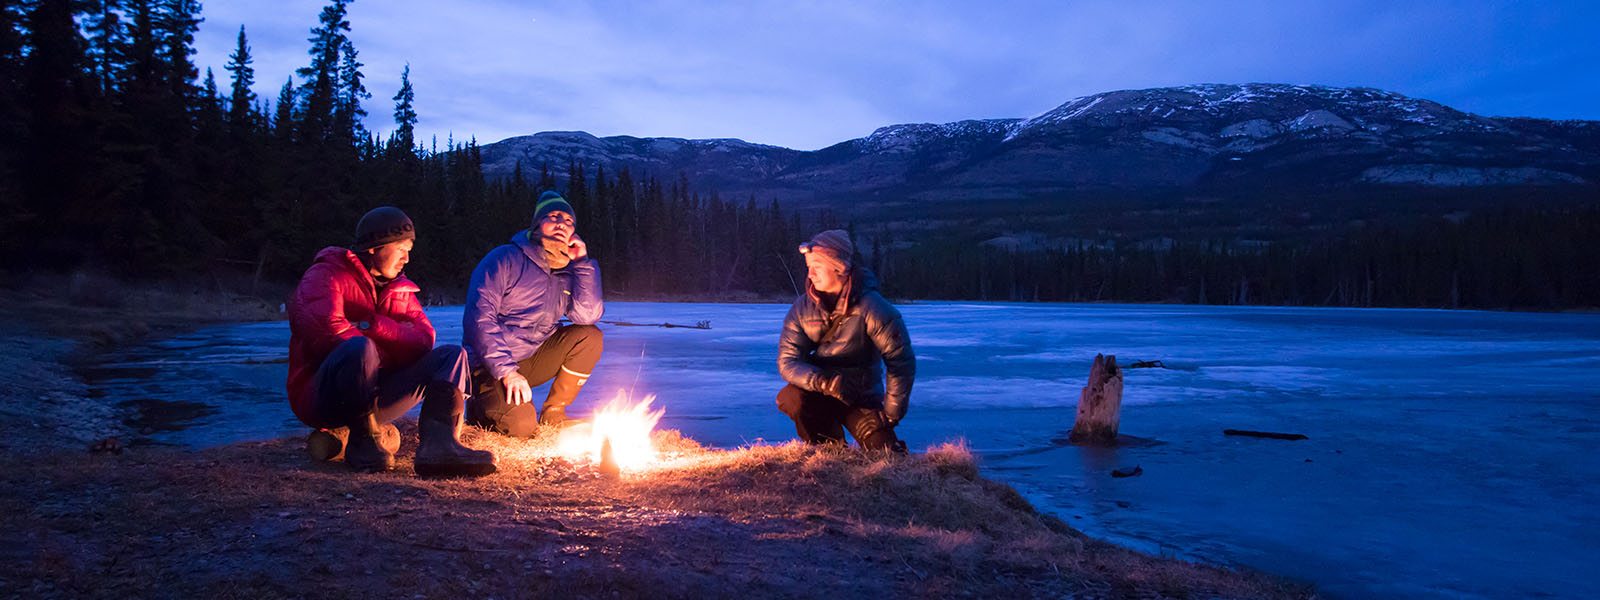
(334, 295)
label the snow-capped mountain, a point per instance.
(1201, 137)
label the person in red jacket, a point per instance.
(361, 354)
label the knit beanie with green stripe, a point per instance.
(550, 202)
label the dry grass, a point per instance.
(259, 520)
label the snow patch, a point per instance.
(1319, 119)
(1254, 128)
(1178, 137)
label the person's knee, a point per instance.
(790, 399)
(521, 421)
(450, 358)
(450, 353)
(585, 343)
(358, 346)
(588, 337)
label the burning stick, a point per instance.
(608, 462)
(620, 429)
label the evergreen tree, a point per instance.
(107, 42)
(180, 19)
(13, 126)
(320, 89)
(351, 93)
(243, 76)
(283, 124)
(56, 86)
(405, 116)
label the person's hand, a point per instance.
(517, 389)
(576, 248)
(830, 383)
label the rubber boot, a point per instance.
(439, 449)
(325, 445)
(365, 451)
(563, 390)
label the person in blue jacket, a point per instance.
(512, 327)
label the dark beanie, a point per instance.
(550, 202)
(383, 225)
(833, 245)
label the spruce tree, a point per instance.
(405, 116)
(351, 93)
(243, 76)
(320, 90)
(107, 42)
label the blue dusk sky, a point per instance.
(806, 75)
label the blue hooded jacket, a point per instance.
(515, 301)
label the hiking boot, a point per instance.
(324, 445)
(365, 452)
(556, 417)
(563, 390)
(439, 449)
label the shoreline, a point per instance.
(50, 475)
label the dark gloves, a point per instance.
(845, 384)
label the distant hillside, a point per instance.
(1207, 139)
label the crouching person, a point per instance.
(837, 340)
(512, 327)
(361, 354)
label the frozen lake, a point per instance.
(1451, 453)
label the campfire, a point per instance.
(621, 429)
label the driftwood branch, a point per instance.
(697, 325)
(1264, 434)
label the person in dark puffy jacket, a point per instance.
(361, 354)
(838, 340)
(512, 322)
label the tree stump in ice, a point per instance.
(1099, 405)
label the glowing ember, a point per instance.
(626, 424)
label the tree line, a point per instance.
(1517, 257)
(123, 155)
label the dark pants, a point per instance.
(572, 350)
(819, 419)
(350, 383)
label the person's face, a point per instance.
(388, 260)
(822, 274)
(558, 225)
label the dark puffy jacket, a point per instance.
(862, 335)
(515, 301)
(336, 293)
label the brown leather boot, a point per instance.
(365, 451)
(439, 449)
(324, 445)
(563, 390)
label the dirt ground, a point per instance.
(262, 520)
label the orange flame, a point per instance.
(626, 424)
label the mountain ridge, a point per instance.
(1202, 138)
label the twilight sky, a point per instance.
(810, 74)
